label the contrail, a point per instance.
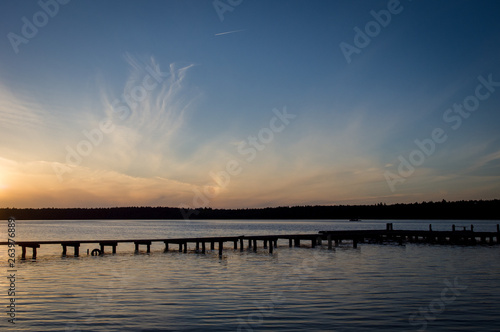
(225, 33)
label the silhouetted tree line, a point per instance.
(489, 209)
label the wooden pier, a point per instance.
(460, 235)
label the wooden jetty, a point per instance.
(460, 235)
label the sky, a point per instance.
(242, 104)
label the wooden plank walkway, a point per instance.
(463, 236)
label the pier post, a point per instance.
(354, 243)
(221, 245)
(329, 238)
(319, 240)
(180, 246)
(276, 243)
(64, 250)
(197, 246)
(136, 246)
(23, 257)
(297, 242)
(166, 246)
(255, 245)
(453, 227)
(114, 248)
(148, 248)
(313, 243)
(34, 252)
(102, 248)
(241, 244)
(77, 251)
(472, 228)
(388, 226)
(212, 245)
(185, 247)
(271, 247)
(203, 247)
(265, 244)
(235, 244)
(290, 242)
(430, 227)
(249, 244)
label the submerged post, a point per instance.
(203, 247)
(241, 244)
(329, 238)
(221, 245)
(254, 245)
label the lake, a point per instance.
(414, 287)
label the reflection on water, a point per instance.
(374, 287)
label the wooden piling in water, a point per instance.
(203, 247)
(76, 248)
(221, 245)
(241, 243)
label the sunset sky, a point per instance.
(248, 103)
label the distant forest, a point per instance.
(425, 210)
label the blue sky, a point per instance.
(350, 125)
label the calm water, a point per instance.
(371, 288)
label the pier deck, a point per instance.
(333, 238)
